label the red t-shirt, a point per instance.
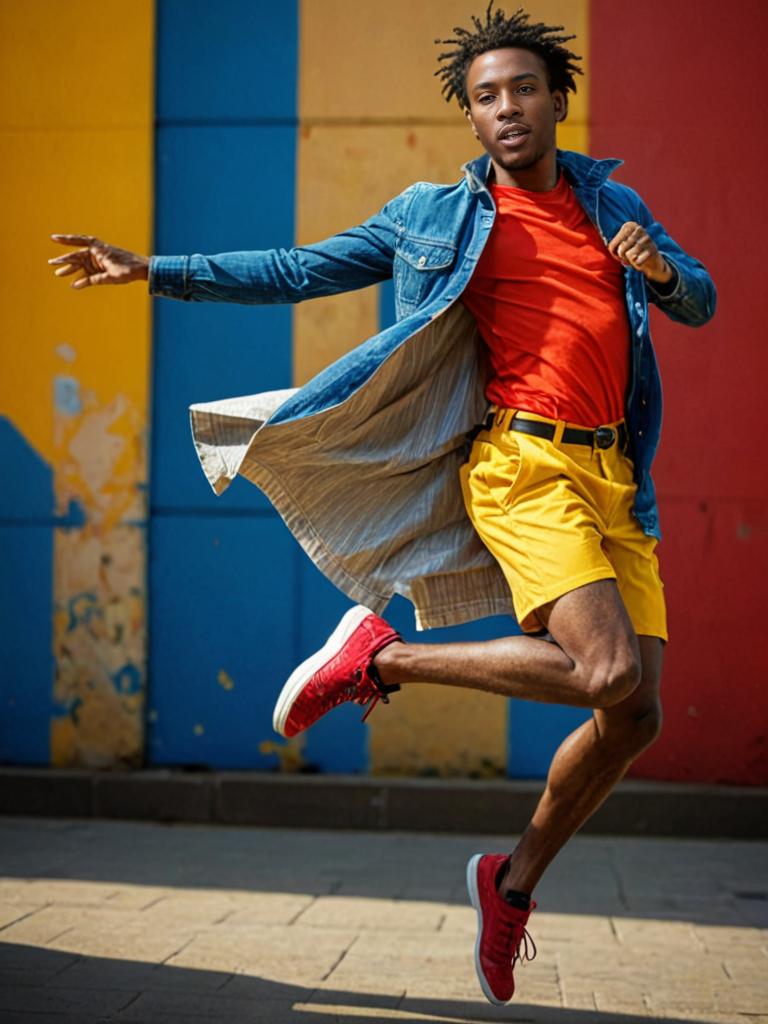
(549, 303)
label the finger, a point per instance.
(628, 250)
(94, 279)
(75, 239)
(634, 246)
(66, 271)
(69, 257)
(622, 235)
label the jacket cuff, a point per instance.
(169, 276)
(671, 288)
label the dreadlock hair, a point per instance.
(498, 32)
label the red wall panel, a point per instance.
(677, 92)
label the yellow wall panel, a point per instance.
(376, 60)
(373, 121)
(77, 64)
(76, 128)
(343, 180)
(440, 728)
(98, 182)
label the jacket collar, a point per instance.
(581, 170)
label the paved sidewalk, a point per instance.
(105, 921)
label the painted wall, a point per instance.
(694, 137)
(270, 128)
(366, 134)
(76, 155)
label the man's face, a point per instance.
(512, 110)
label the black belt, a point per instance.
(601, 437)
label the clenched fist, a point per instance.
(99, 262)
(634, 247)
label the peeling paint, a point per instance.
(99, 588)
(66, 352)
(290, 754)
(66, 395)
(225, 681)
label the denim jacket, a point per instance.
(362, 462)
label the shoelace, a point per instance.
(522, 942)
(366, 698)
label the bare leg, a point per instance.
(585, 769)
(595, 661)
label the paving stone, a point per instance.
(27, 1017)
(246, 985)
(329, 995)
(718, 939)
(49, 999)
(344, 912)
(40, 927)
(11, 912)
(64, 891)
(193, 1005)
(291, 954)
(677, 935)
(102, 973)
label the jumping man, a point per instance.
(522, 299)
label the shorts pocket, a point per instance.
(500, 468)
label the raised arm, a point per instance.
(353, 259)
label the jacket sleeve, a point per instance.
(353, 259)
(692, 298)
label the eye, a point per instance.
(526, 89)
(486, 98)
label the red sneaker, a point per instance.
(340, 671)
(501, 931)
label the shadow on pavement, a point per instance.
(698, 881)
(41, 985)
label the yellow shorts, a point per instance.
(557, 516)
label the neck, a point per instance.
(539, 177)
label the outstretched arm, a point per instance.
(353, 259)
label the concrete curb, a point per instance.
(372, 803)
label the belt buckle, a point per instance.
(604, 437)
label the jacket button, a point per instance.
(422, 260)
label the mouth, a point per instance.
(512, 135)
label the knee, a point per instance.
(646, 723)
(612, 682)
(628, 735)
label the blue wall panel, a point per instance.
(26, 600)
(26, 666)
(233, 60)
(215, 194)
(222, 603)
(27, 492)
(223, 571)
(535, 733)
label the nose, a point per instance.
(509, 105)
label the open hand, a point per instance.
(99, 262)
(634, 247)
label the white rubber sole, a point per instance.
(474, 899)
(301, 675)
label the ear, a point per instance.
(560, 103)
(468, 116)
